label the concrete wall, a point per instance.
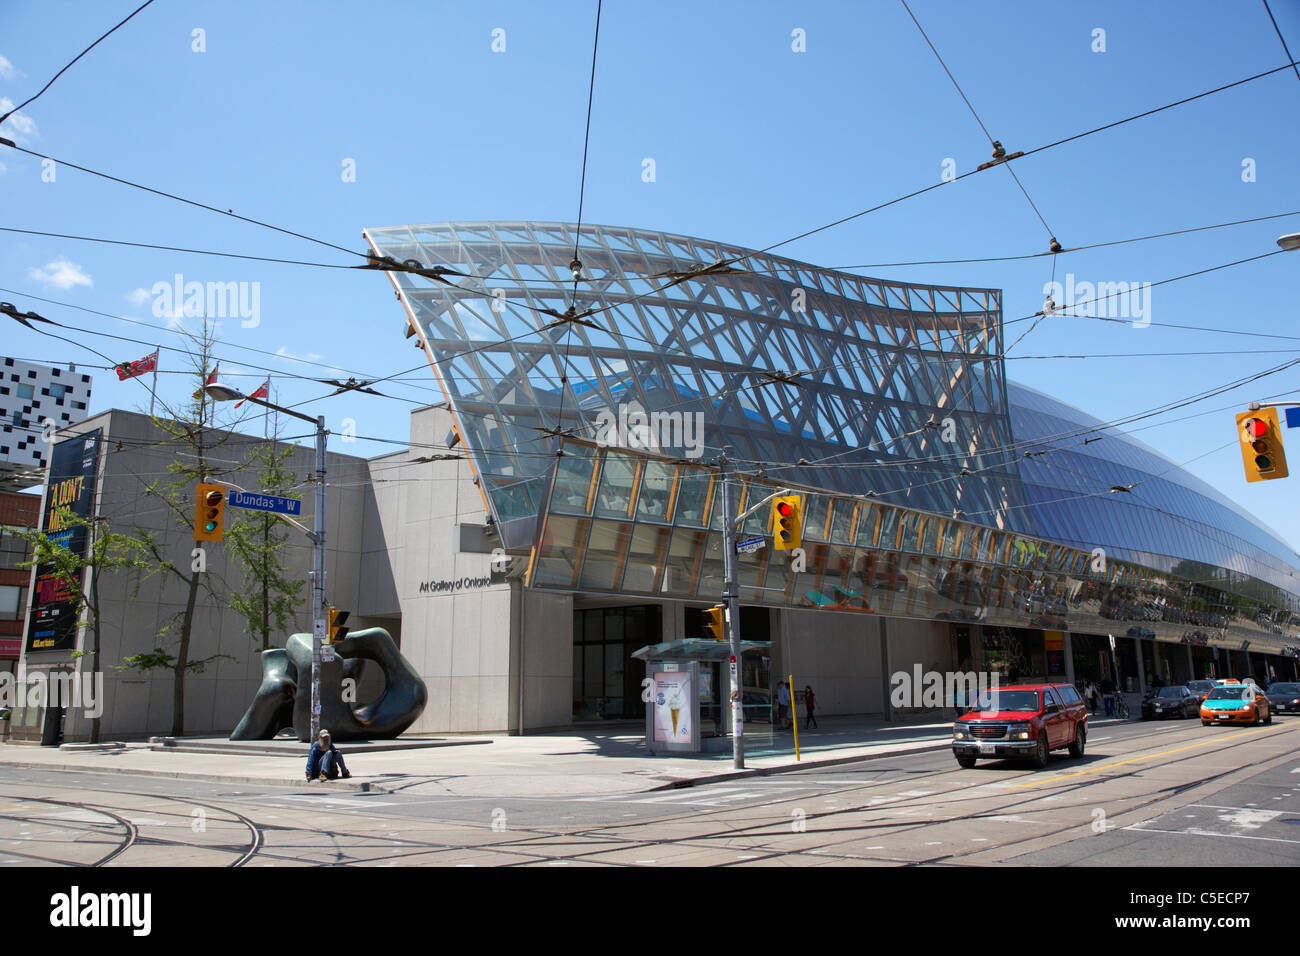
(838, 654)
(457, 630)
(548, 659)
(136, 612)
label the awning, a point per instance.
(696, 649)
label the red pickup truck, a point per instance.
(1028, 721)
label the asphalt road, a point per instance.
(1171, 793)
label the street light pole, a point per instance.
(224, 393)
(730, 593)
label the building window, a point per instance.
(25, 391)
(14, 549)
(13, 602)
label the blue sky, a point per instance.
(752, 142)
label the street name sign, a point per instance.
(259, 502)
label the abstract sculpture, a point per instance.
(279, 704)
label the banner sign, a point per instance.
(71, 490)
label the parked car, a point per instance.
(1025, 721)
(1176, 701)
(1283, 698)
(1236, 703)
(1201, 688)
(757, 705)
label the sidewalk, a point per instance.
(585, 761)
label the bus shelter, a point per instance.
(686, 692)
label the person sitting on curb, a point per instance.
(325, 761)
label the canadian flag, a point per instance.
(137, 368)
(262, 392)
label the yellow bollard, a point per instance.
(794, 715)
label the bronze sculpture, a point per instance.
(278, 703)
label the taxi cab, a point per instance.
(1234, 702)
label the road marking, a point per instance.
(1121, 763)
(1209, 833)
(332, 801)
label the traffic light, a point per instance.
(714, 623)
(337, 631)
(1261, 444)
(209, 512)
(787, 522)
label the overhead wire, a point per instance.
(1278, 30)
(69, 65)
(965, 99)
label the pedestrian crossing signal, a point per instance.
(336, 630)
(714, 624)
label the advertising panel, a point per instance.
(673, 707)
(73, 464)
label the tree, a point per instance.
(106, 550)
(268, 598)
(187, 428)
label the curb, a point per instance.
(395, 789)
(684, 782)
(360, 787)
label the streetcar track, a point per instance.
(132, 837)
(613, 837)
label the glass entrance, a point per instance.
(606, 681)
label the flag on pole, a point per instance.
(263, 391)
(137, 368)
(210, 380)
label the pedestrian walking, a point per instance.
(1091, 694)
(782, 705)
(325, 761)
(809, 705)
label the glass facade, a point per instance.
(823, 378)
(864, 557)
(1172, 521)
(590, 395)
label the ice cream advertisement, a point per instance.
(673, 710)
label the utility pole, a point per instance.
(318, 623)
(730, 594)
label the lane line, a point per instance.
(1121, 763)
(1207, 833)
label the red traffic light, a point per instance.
(1255, 427)
(783, 509)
